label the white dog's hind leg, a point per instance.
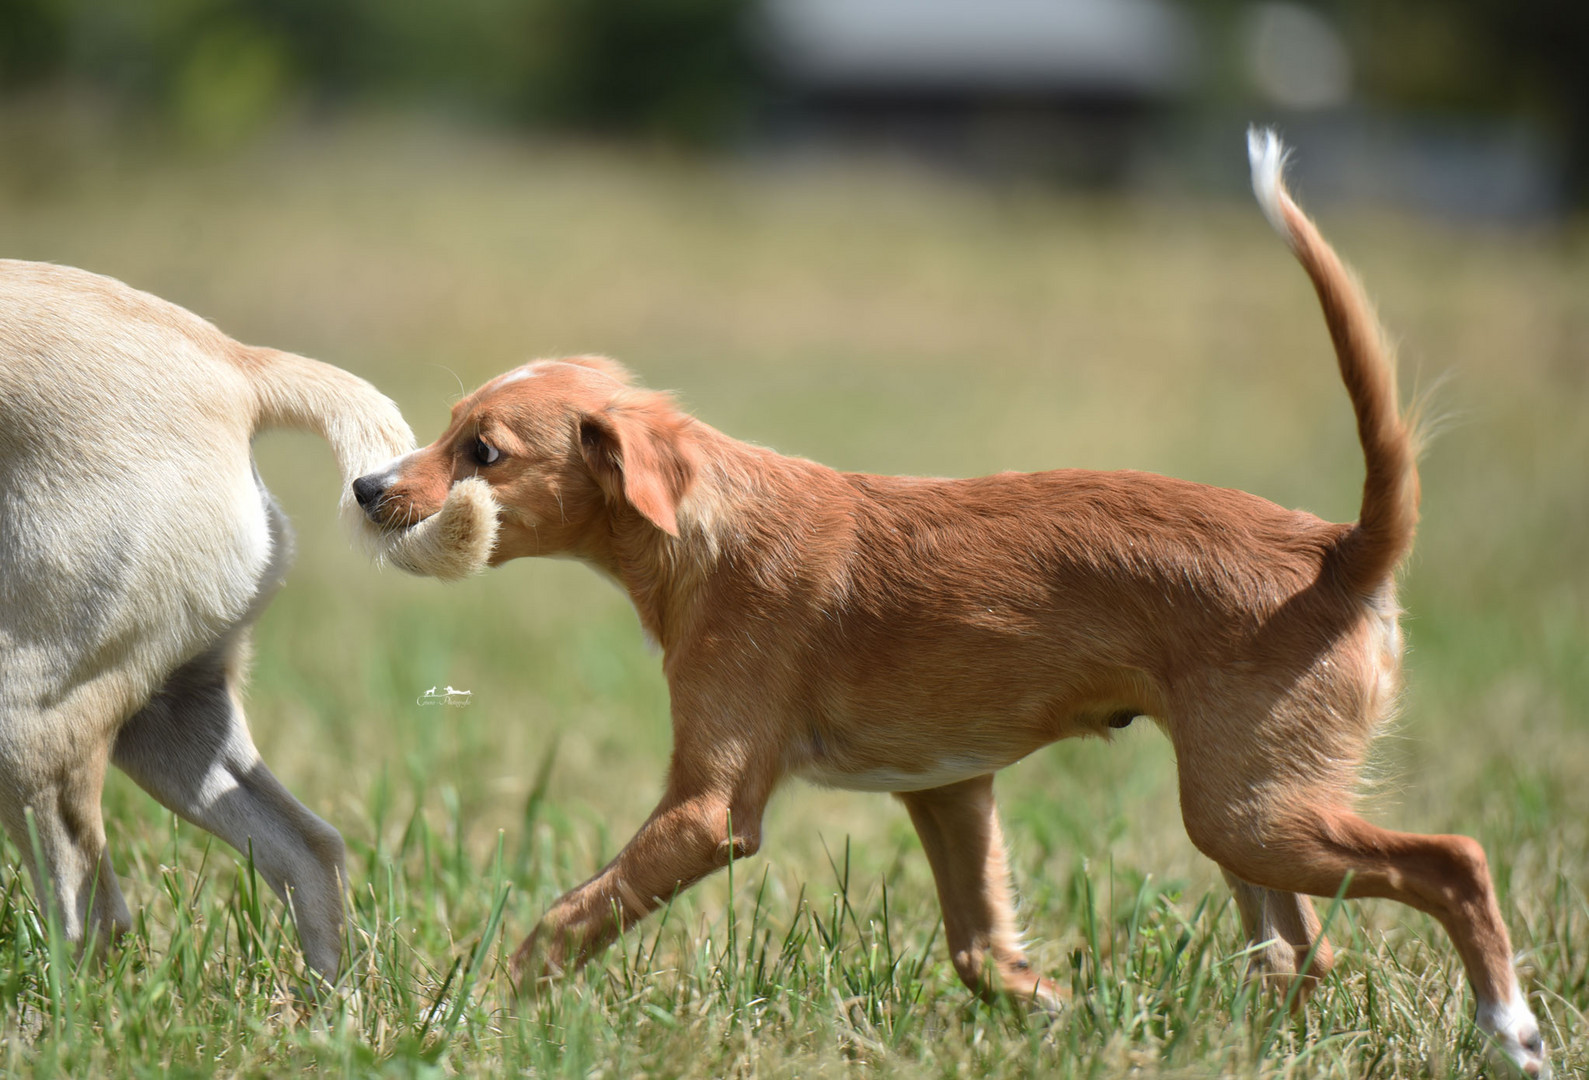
(190, 748)
(57, 804)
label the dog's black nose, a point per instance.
(366, 489)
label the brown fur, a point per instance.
(915, 636)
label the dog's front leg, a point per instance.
(959, 829)
(695, 830)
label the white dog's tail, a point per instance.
(366, 432)
(1383, 534)
(363, 426)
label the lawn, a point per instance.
(878, 319)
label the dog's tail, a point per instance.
(363, 426)
(366, 431)
(1369, 554)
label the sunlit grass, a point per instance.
(875, 319)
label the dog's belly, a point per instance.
(927, 741)
(886, 757)
(950, 769)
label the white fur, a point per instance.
(454, 542)
(528, 371)
(136, 546)
(949, 770)
(1267, 156)
(1512, 1025)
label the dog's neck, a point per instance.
(660, 573)
(743, 501)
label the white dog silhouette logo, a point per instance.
(456, 698)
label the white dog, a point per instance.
(137, 545)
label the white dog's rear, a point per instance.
(137, 545)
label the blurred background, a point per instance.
(1469, 107)
(942, 237)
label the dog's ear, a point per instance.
(636, 454)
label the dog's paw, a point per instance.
(1017, 981)
(1275, 965)
(1515, 1033)
(1040, 993)
(531, 970)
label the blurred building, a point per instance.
(1060, 86)
(1132, 93)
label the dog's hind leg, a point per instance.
(1282, 930)
(959, 829)
(190, 748)
(56, 804)
(1282, 822)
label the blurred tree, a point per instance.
(675, 68)
(232, 80)
(678, 69)
(32, 41)
(1527, 58)
(1520, 58)
(1540, 54)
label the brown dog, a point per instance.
(915, 636)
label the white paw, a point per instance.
(1516, 1033)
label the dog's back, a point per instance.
(134, 531)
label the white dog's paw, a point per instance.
(1512, 1026)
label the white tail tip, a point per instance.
(1268, 154)
(455, 542)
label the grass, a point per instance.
(877, 319)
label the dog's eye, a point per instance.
(485, 453)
